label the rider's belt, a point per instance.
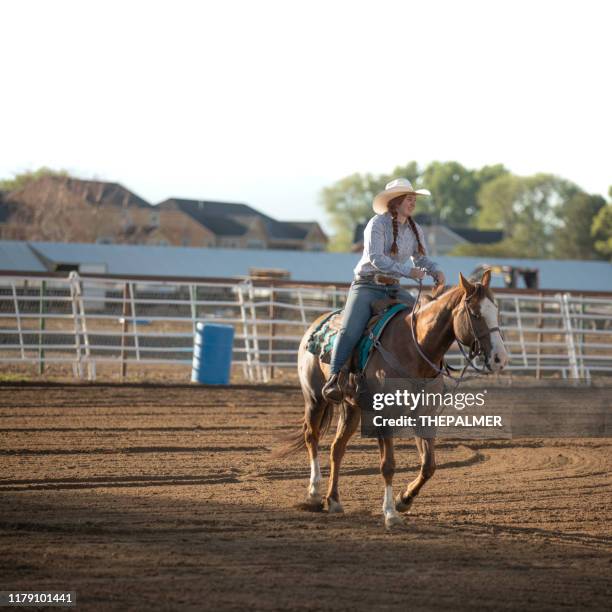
(379, 279)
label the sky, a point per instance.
(268, 102)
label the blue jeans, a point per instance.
(357, 312)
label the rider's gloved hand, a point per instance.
(417, 274)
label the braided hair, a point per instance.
(392, 206)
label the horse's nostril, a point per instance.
(497, 359)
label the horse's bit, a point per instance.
(477, 348)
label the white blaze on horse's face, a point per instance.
(499, 355)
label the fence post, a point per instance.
(569, 335)
(91, 366)
(18, 319)
(134, 323)
(193, 294)
(126, 293)
(540, 336)
(584, 371)
(261, 372)
(248, 367)
(272, 331)
(519, 321)
(73, 277)
(302, 311)
(41, 329)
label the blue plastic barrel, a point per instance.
(212, 354)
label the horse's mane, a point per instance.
(428, 299)
(480, 290)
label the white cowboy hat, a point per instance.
(394, 188)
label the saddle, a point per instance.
(321, 341)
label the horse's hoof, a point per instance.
(314, 499)
(334, 507)
(394, 522)
(401, 505)
(312, 504)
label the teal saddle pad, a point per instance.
(321, 341)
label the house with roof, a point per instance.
(440, 239)
(234, 225)
(66, 209)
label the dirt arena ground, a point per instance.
(166, 497)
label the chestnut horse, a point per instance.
(467, 313)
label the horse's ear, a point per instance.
(465, 284)
(486, 278)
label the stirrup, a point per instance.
(333, 390)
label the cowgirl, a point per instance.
(390, 240)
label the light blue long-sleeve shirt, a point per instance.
(377, 241)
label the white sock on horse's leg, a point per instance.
(315, 479)
(392, 517)
(388, 505)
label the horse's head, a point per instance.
(476, 322)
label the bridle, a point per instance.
(474, 350)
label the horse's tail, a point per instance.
(295, 442)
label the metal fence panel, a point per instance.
(86, 321)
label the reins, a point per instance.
(472, 353)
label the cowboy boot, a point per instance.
(333, 391)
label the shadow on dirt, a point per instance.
(156, 548)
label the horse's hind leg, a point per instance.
(426, 448)
(347, 424)
(313, 416)
(387, 468)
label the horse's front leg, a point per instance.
(426, 448)
(347, 424)
(387, 469)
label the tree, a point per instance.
(454, 195)
(410, 171)
(528, 209)
(573, 239)
(348, 202)
(453, 190)
(20, 180)
(525, 209)
(601, 231)
(496, 200)
(489, 173)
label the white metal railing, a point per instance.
(84, 321)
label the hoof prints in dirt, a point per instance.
(176, 500)
(134, 449)
(112, 482)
